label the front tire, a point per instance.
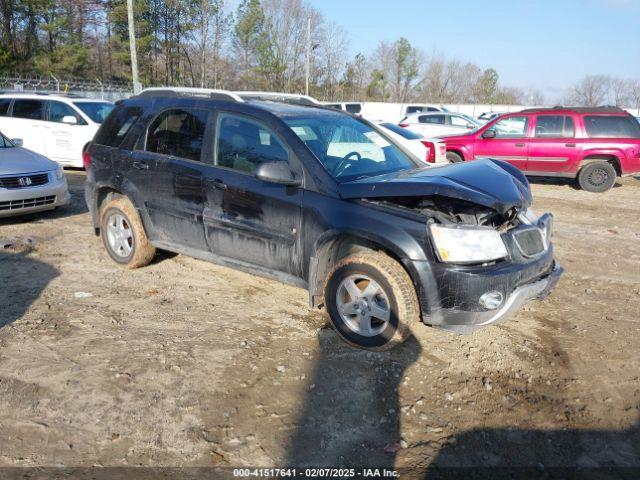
(371, 301)
(123, 235)
(453, 157)
(597, 177)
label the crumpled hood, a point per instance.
(19, 160)
(490, 183)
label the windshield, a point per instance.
(96, 111)
(5, 143)
(347, 147)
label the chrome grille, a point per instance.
(530, 241)
(27, 203)
(24, 181)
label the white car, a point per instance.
(56, 126)
(351, 107)
(435, 124)
(430, 150)
(29, 182)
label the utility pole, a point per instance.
(306, 84)
(132, 45)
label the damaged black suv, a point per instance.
(324, 200)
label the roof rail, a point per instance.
(294, 98)
(600, 109)
(190, 91)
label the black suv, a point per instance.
(324, 200)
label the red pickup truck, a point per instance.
(594, 145)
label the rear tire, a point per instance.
(371, 301)
(597, 177)
(123, 235)
(453, 157)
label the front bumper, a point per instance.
(450, 295)
(467, 321)
(21, 201)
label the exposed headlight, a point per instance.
(59, 172)
(467, 244)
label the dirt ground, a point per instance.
(185, 363)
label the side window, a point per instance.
(414, 109)
(243, 144)
(603, 126)
(31, 109)
(353, 107)
(178, 132)
(117, 125)
(58, 110)
(437, 119)
(4, 106)
(554, 126)
(511, 127)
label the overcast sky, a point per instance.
(543, 44)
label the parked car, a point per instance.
(57, 126)
(29, 182)
(382, 244)
(488, 116)
(435, 124)
(409, 109)
(593, 145)
(430, 150)
(351, 107)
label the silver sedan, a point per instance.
(29, 182)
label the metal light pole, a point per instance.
(132, 45)
(306, 84)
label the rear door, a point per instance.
(511, 141)
(61, 139)
(167, 171)
(27, 123)
(554, 147)
(245, 218)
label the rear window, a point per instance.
(403, 132)
(31, 109)
(601, 126)
(117, 125)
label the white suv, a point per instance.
(57, 126)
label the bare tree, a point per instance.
(591, 91)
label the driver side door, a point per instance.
(510, 143)
(247, 219)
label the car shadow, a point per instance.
(539, 454)
(22, 280)
(351, 414)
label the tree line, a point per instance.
(260, 45)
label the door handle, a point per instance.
(570, 145)
(140, 165)
(217, 183)
(519, 144)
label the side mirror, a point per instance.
(70, 120)
(277, 172)
(470, 126)
(489, 134)
(17, 142)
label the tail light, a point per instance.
(86, 160)
(431, 151)
(403, 125)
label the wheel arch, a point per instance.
(611, 158)
(333, 246)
